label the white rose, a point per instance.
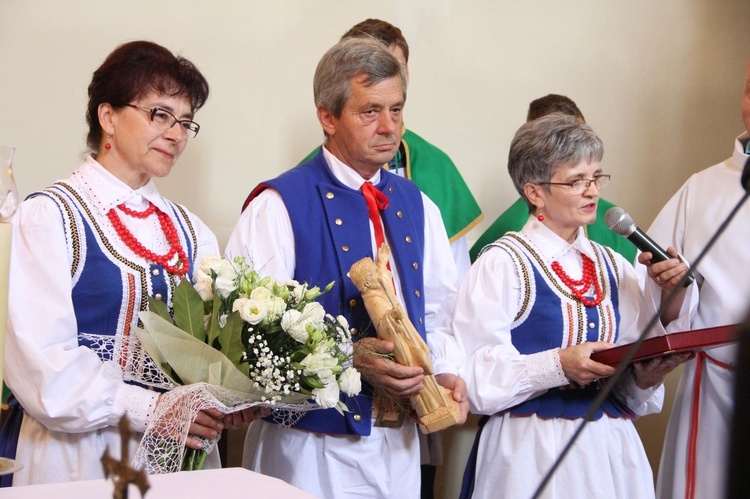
(209, 263)
(314, 313)
(251, 311)
(226, 275)
(350, 381)
(261, 293)
(276, 306)
(203, 285)
(327, 397)
(294, 325)
(298, 292)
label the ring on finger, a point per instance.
(658, 279)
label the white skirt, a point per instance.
(607, 460)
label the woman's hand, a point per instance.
(457, 386)
(207, 424)
(651, 372)
(370, 359)
(577, 364)
(666, 274)
(243, 418)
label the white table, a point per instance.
(219, 484)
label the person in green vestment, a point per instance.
(514, 218)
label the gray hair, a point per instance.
(345, 60)
(545, 144)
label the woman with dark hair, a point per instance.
(87, 254)
(534, 307)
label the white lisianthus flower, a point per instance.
(314, 313)
(320, 364)
(294, 325)
(327, 397)
(203, 285)
(350, 381)
(251, 311)
(298, 292)
(261, 293)
(209, 263)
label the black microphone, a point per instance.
(620, 222)
(745, 178)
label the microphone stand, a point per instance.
(612, 380)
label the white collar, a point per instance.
(552, 247)
(107, 191)
(345, 173)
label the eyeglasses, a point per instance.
(164, 120)
(579, 185)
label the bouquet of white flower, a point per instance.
(236, 340)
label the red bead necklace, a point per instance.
(180, 266)
(579, 287)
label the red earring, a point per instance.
(540, 217)
(108, 146)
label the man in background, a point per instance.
(514, 218)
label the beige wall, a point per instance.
(659, 81)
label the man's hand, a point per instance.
(458, 387)
(372, 361)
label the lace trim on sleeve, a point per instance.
(545, 370)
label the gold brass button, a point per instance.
(338, 221)
(408, 239)
(329, 195)
(357, 418)
(400, 214)
(415, 265)
(420, 320)
(417, 293)
(390, 189)
(155, 272)
(592, 325)
(352, 303)
(345, 247)
(158, 296)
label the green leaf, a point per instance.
(213, 324)
(311, 382)
(159, 308)
(230, 338)
(188, 310)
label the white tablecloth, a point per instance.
(222, 483)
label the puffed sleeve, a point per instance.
(497, 375)
(64, 386)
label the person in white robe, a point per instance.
(87, 253)
(535, 306)
(694, 458)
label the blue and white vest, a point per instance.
(331, 232)
(109, 288)
(551, 317)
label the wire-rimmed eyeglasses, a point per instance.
(165, 120)
(579, 185)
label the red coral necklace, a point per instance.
(180, 266)
(579, 287)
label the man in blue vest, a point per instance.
(311, 224)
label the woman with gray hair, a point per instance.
(534, 307)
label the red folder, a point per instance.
(686, 341)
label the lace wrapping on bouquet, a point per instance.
(163, 444)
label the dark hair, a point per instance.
(135, 69)
(553, 103)
(384, 32)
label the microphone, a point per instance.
(620, 222)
